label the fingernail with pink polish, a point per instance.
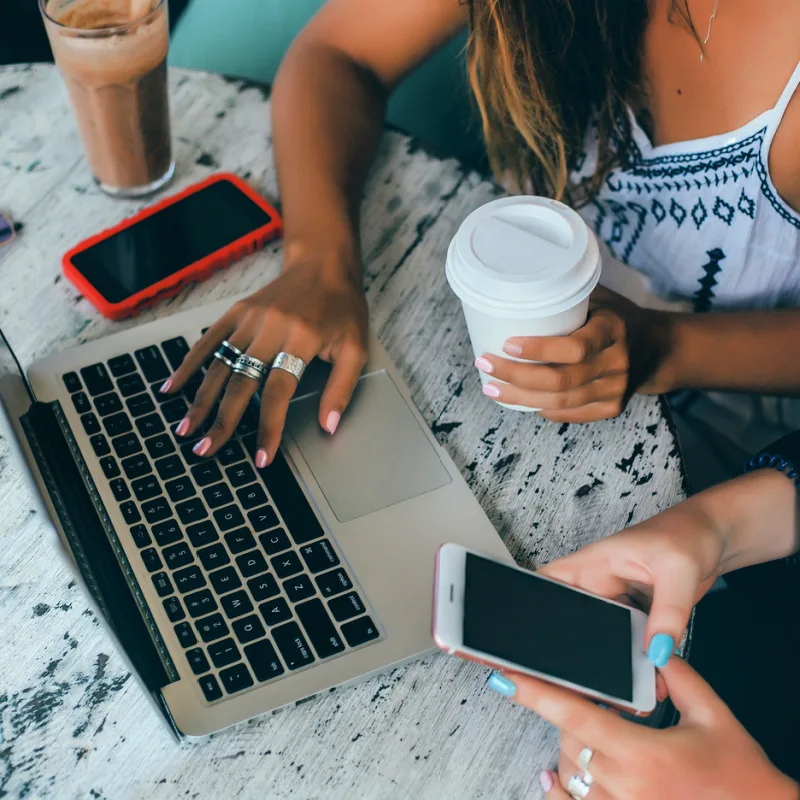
(203, 446)
(484, 365)
(262, 459)
(166, 386)
(512, 348)
(490, 390)
(183, 427)
(546, 779)
(332, 423)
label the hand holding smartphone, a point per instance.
(510, 618)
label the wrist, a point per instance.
(333, 259)
(671, 338)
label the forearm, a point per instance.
(742, 351)
(327, 115)
(756, 516)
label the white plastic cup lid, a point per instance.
(523, 256)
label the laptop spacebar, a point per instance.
(298, 515)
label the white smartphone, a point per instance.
(510, 618)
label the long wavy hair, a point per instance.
(542, 69)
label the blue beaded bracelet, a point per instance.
(768, 460)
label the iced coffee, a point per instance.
(113, 57)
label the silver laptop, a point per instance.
(235, 592)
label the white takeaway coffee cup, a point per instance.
(522, 266)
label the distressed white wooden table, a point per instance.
(72, 721)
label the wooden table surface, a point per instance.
(73, 723)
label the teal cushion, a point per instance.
(247, 38)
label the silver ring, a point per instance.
(228, 354)
(249, 372)
(245, 362)
(584, 758)
(291, 364)
(578, 788)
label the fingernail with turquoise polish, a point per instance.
(661, 647)
(502, 685)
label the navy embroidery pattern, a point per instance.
(704, 296)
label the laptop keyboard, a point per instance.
(252, 584)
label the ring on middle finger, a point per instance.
(228, 354)
(251, 367)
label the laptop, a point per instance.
(235, 592)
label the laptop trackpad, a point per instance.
(379, 456)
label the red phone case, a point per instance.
(198, 271)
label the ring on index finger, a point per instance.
(228, 354)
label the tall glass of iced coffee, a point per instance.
(113, 57)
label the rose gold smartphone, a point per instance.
(510, 618)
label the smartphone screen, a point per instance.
(170, 240)
(547, 627)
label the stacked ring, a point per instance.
(251, 367)
(228, 354)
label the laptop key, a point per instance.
(90, 424)
(175, 410)
(225, 580)
(117, 424)
(192, 385)
(189, 456)
(140, 536)
(108, 404)
(292, 645)
(319, 555)
(162, 583)
(152, 363)
(96, 379)
(72, 382)
(202, 533)
(136, 466)
(359, 631)
(263, 587)
(191, 511)
(147, 487)
(100, 445)
(275, 611)
(249, 421)
(130, 512)
(156, 510)
(240, 474)
(214, 556)
(199, 664)
(130, 385)
(200, 603)
(333, 583)
(217, 495)
(206, 473)
(230, 453)
(263, 519)
(152, 561)
(189, 579)
(185, 634)
(178, 555)
(252, 496)
(180, 489)
(210, 687)
(346, 607)
(236, 678)
(263, 660)
(151, 425)
(81, 403)
(224, 653)
(274, 541)
(167, 532)
(140, 405)
(121, 365)
(160, 446)
(323, 635)
(287, 564)
(240, 540)
(228, 517)
(236, 604)
(159, 396)
(169, 467)
(175, 350)
(298, 588)
(212, 628)
(251, 563)
(120, 489)
(126, 445)
(109, 466)
(248, 629)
